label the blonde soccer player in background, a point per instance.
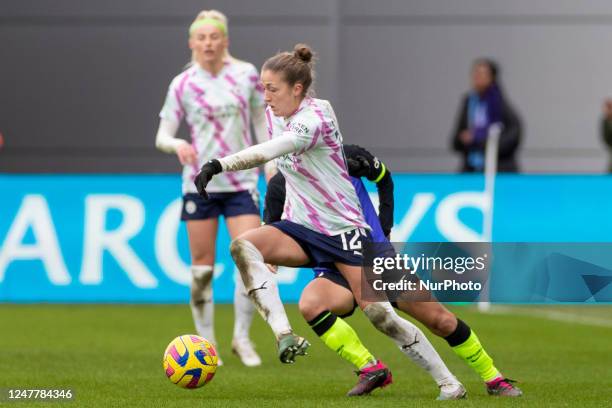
(219, 97)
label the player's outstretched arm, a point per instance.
(245, 159)
(259, 154)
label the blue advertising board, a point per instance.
(118, 238)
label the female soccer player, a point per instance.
(324, 223)
(218, 96)
(330, 292)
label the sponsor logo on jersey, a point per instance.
(298, 128)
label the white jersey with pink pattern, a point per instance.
(217, 112)
(320, 194)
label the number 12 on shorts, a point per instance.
(351, 240)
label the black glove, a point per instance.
(358, 166)
(206, 173)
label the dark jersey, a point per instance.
(361, 163)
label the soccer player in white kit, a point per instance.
(323, 223)
(218, 97)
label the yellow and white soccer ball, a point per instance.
(190, 361)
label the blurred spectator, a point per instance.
(484, 105)
(606, 127)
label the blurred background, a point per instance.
(82, 81)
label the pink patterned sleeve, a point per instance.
(173, 105)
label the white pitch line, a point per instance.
(554, 315)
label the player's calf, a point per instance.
(412, 342)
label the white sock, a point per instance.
(260, 284)
(410, 339)
(243, 310)
(201, 302)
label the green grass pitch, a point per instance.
(110, 355)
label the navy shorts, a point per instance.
(331, 274)
(324, 250)
(227, 204)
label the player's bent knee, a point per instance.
(444, 323)
(201, 284)
(244, 253)
(310, 307)
(201, 275)
(236, 248)
(381, 316)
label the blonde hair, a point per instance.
(214, 15)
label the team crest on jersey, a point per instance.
(190, 207)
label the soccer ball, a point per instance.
(190, 361)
